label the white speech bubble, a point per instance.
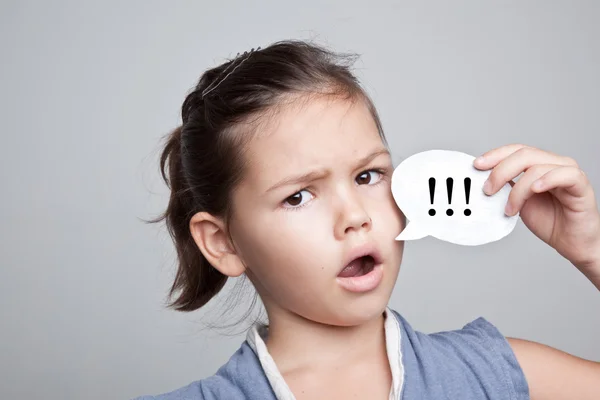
(486, 221)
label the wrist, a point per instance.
(594, 277)
(591, 268)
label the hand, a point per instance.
(555, 200)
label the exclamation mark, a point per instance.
(467, 193)
(431, 194)
(449, 183)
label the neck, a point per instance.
(295, 342)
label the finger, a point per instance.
(519, 162)
(572, 179)
(493, 157)
(490, 158)
(522, 190)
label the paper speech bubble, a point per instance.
(441, 194)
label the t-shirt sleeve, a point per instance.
(487, 358)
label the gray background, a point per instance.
(88, 88)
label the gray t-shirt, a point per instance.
(472, 363)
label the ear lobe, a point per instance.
(211, 236)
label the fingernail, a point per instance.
(487, 186)
(480, 160)
(538, 185)
(508, 209)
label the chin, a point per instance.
(360, 310)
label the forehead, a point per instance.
(320, 133)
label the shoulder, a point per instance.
(475, 360)
(241, 377)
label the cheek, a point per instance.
(283, 250)
(288, 271)
(388, 215)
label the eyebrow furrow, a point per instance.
(314, 175)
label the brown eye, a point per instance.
(364, 178)
(295, 200)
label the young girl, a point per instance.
(281, 171)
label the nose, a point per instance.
(351, 215)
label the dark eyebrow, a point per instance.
(314, 175)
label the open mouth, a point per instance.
(358, 267)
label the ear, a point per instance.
(212, 238)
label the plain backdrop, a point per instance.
(87, 89)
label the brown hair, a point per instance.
(202, 159)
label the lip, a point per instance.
(364, 283)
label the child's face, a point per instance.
(294, 238)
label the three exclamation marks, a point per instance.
(449, 185)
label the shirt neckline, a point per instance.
(256, 339)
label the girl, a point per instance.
(281, 171)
